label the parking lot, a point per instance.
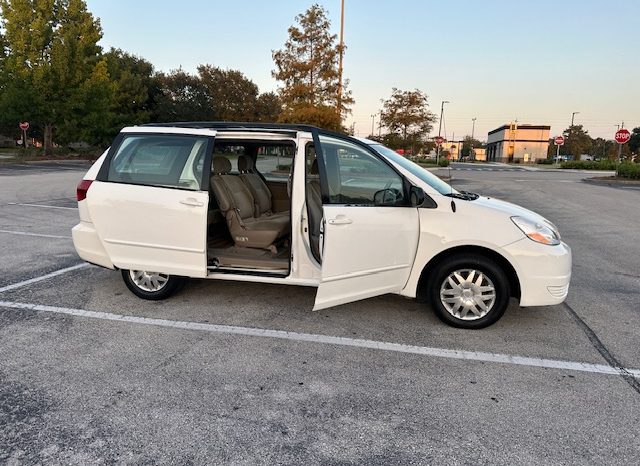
(228, 372)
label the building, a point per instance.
(518, 143)
(480, 154)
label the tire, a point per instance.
(468, 291)
(153, 286)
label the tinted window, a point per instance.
(171, 161)
(275, 162)
(356, 176)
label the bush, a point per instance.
(544, 161)
(629, 170)
(443, 162)
(589, 164)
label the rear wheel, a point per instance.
(469, 292)
(151, 285)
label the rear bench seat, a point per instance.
(249, 227)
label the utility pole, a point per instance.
(341, 47)
(373, 123)
(473, 131)
(620, 147)
(440, 129)
(573, 115)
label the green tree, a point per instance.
(468, 144)
(406, 114)
(268, 107)
(577, 142)
(133, 86)
(634, 142)
(180, 96)
(232, 96)
(51, 66)
(307, 68)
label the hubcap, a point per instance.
(149, 281)
(467, 294)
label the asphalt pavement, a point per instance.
(246, 373)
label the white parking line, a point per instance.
(331, 340)
(43, 206)
(43, 277)
(38, 235)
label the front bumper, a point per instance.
(544, 271)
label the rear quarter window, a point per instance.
(159, 160)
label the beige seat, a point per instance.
(237, 205)
(258, 188)
(314, 208)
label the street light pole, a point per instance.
(341, 47)
(473, 131)
(373, 123)
(573, 115)
(440, 129)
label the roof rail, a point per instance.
(234, 125)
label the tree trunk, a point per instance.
(48, 140)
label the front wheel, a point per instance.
(153, 286)
(469, 291)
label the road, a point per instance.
(90, 374)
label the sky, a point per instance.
(498, 61)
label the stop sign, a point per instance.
(559, 140)
(623, 136)
(24, 125)
(439, 140)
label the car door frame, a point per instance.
(170, 266)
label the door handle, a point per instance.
(192, 202)
(340, 221)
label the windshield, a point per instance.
(426, 176)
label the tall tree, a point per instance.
(52, 66)
(406, 114)
(307, 68)
(232, 95)
(634, 142)
(132, 78)
(468, 145)
(577, 142)
(268, 107)
(180, 96)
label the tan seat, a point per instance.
(237, 205)
(314, 208)
(259, 190)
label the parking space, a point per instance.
(246, 373)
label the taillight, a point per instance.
(81, 190)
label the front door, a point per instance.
(370, 230)
(149, 203)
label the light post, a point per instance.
(573, 115)
(440, 129)
(473, 131)
(373, 124)
(340, 59)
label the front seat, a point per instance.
(237, 205)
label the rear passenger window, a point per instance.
(168, 161)
(275, 162)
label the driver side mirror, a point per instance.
(417, 196)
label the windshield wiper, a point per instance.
(464, 195)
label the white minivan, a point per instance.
(297, 205)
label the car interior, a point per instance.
(249, 221)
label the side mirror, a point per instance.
(417, 196)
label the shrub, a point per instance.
(589, 164)
(443, 162)
(544, 161)
(629, 170)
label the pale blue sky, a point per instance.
(497, 60)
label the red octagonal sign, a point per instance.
(559, 140)
(623, 136)
(24, 125)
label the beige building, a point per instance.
(480, 154)
(518, 143)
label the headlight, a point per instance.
(545, 233)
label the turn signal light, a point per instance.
(82, 188)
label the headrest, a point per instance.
(314, 167)
(245, 164)
(221, 165)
